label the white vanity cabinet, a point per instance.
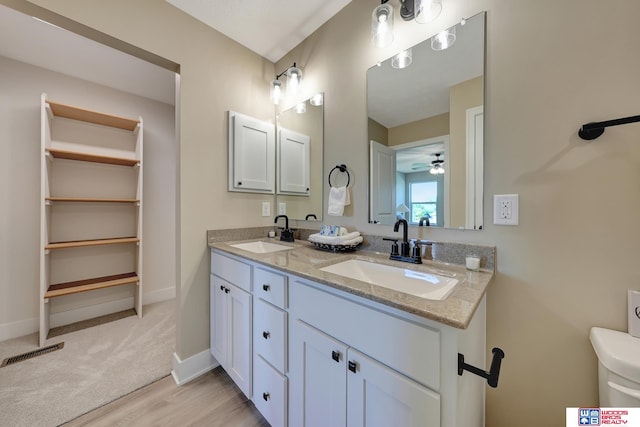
(308, 354)
(355, 363)
(231, 318)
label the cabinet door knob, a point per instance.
(335, 355)
(239, 183)
(266, 335)
(266, 396)
(221, 288)
(353, 366)
(266, 287)
(226, 290)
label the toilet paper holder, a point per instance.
(492, 375)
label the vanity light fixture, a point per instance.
(444, 39)
(402, 59)
(422, 11)
(427, 10)
(382, 24)
(294, 80)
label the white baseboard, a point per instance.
(192, 367)
(18, 328)
(158, 295)
(24, 327)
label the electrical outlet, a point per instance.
(282, 208)
(266, 208)
(505, 209)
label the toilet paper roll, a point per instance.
(633, 298)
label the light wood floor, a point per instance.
(210, 400)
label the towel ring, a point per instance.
(341, 168)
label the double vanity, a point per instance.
(316, 338)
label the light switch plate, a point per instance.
(505, 209)
(266, 208)
(282, 208)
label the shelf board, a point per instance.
(97, 242)
(94, 158)
(76, 113)
(90, 200)
(68, 288)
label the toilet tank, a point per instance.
(618, 367)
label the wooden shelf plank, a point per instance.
(97, 242)
(90, 284)
(90, 200)
(76, 113)
(94, 158)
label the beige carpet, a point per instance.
(96, 366)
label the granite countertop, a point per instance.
(306, 261)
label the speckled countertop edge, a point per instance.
(305, 261)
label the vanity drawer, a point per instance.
(270, 333)
(270, 286)
(270, 393)
(236, 272)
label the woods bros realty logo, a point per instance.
(602, 416)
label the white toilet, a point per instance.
(618, 368)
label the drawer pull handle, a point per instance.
(266, 396)
(335, 355)
(221, 288)
(266, 288)
(266, 335)
(353, 366)
(226, 290)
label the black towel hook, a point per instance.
(341, 168)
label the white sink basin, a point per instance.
(261, 247)
(421, 284)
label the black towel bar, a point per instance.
(590, 131)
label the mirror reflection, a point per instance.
(299, 148)
(425, 127)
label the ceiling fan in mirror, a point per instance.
(437, 167)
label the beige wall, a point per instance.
(551, 67)
(430, 127)
(461, 97)
(377, 132)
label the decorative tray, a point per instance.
(335, 248)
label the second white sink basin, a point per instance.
(261, 247)
(418, 283)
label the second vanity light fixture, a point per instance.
(422, 11)
(294, 79)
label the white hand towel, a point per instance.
(348, 239)
(337, 199)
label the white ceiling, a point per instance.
(270, 28)
(25, 39)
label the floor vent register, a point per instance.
(31, 354)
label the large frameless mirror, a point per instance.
(425, 111)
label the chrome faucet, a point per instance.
(286, 235)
